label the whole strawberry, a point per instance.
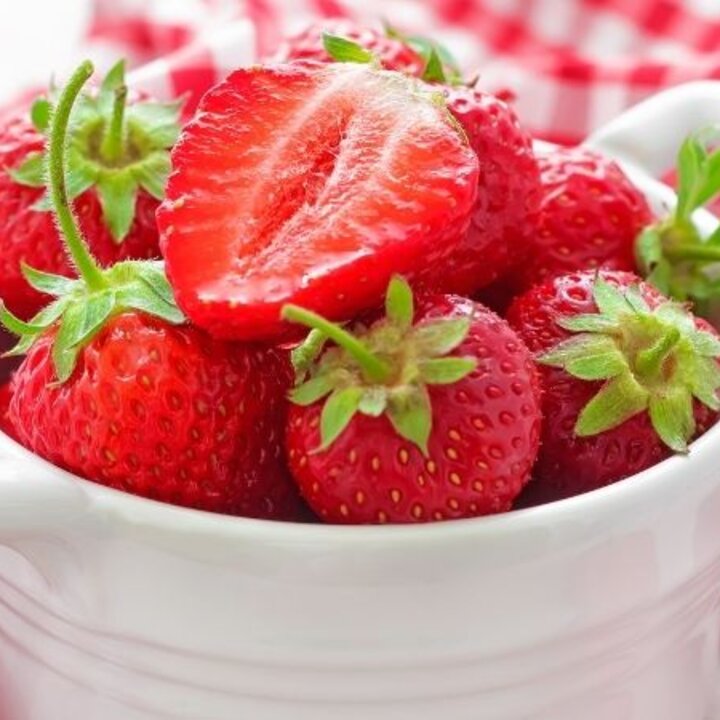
(118, 164)
(503, 219)
(152, 409)
(628, 377)
(503, 222)
(672, 253)
(589, 217)
(427, 414)
(393, 51)
(117, 388)
(313, 185)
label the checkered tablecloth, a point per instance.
(572, 64)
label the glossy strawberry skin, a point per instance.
(504, 217)
(590, 214)
(288, 189)
(482, 447)
(30, 236)
(569, 465)
(393, 53)
(163, 412)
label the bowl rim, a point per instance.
(609, 501)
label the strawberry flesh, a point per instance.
(310, 184)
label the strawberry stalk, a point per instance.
(69, 229)
(119, 148)
(373, 368)
(83, 306)
(692, 252)
(650, 361)
(671, 253)
(381, 370)
(112, 144)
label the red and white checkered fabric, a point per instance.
(572, 64)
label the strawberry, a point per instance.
(118, 164)
(152, 409)
(426, 414)
(117, 388)
(628, 377)
(590, 214)
(393, 50)
(311, 184)
(671, 253)
(503, 219)
(6, 425)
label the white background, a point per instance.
(36, 38)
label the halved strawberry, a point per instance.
(311, 184)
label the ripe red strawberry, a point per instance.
(503, 221)
(116, 186)
(628, 377)
(6, 425)
(431, 414)
(164, 412)
(590, 214)
(504, 216)
(393, 52)
(312, 185)
(116, 388)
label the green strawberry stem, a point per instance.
(113, 142)
(692, 251)
(70, 231)
(83, 306)
(671, 252)
(374, 369)
(649, 362)
(652, 360)
(386, 370)
(118, 150)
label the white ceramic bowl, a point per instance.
(602, 607)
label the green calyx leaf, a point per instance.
(115, 146)
(344, 50)
(40, 112)
(79, 312)
(31, 172)
(432, 52)
(434, 71)
(698, 168)
(411, 415)
(337, 413)
(671, 253)
(648, 360)
(83, 306)
(399, 305)
(384, 369)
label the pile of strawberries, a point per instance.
(317, 341)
